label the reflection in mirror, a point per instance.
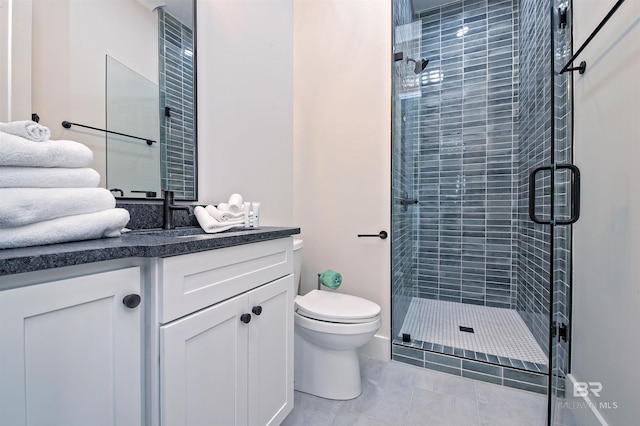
(130, 165)
(178, 98)
(68, 83)
(133, 165)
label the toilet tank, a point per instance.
(297, 262)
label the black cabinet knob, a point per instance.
(131, 300)
(257, 310)
(245, 318)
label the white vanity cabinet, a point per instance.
(226, 336)
(203, 338)
(71, 352)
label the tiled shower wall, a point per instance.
(178, 130)
(464, 166)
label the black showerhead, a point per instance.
(421, 64)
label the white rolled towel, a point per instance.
(22, 206)
(17, 151)
(223, 207)
(27, 129)
(235, 203)
(106, 223)
(210, 225)
(221, 216)
(48, 177)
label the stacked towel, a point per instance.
(211, 225)
(48, 177)
(23, 206)
(18, 151)
(50, 195)
(106, 223)
(223, 216)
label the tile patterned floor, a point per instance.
(497, 331)
(396, 394)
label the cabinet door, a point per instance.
(270, 365)
(70, 352)
(203, 367)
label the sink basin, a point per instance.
(176, 232)
(189, 231)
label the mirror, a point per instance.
(132, 109)
(166, 114)
(95, 73)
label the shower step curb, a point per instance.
(476, 368)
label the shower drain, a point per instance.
(466, 329)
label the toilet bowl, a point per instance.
(328, 329)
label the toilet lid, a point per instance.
(336, 307)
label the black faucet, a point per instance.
(168, 207)
(118, 190)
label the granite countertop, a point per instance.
(143, 243)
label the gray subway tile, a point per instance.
(442, 359)
(481, 367)
(523, 376)
(525, 386)
(442, 368)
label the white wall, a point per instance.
(342, 152)
(5, 61)
(245, 104)
(15, 60)
(606, 289)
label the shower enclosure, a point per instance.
(483, 191)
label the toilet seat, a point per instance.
(336, 307)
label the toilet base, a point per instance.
(331, 374)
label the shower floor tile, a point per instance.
(496, 331)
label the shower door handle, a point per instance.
(575, 194)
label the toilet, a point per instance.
(328, 329)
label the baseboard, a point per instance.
(583, 408)
(379, 347)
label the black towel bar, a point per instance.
(382, 235)
(68, 124)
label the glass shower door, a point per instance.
(554, 200)
(566, 210)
